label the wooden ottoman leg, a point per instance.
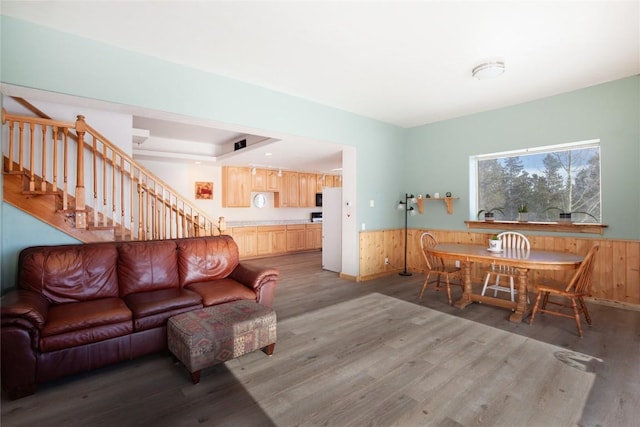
(269, 349)
(195, 377)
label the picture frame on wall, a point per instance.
(204, 190)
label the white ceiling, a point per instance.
(404, 63)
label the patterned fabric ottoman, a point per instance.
(212, 335)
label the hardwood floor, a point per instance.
(372, 354)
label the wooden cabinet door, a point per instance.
(295, 237)
(313, 236)
(337, 180)
(273, 181)
(319, 182)
(259, 180)
(271, 240)
(307, 190)
(328, 181)
(279, 240)
(247, 240)
(236, 187)
(288, 197)
(311, 190)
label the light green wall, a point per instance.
(20, 230)
(437, 155)
(389, 160)
(37, 57)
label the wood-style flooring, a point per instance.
(352, 354)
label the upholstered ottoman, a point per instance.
(212, 335)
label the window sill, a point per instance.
(569, 227)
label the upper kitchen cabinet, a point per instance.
(258, 180)
(236, 187)
(274, 181)
(289, 195)
(307, 189)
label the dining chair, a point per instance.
(436, 266)
(511, 241)
(579, 286)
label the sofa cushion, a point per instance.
(206, 258)
(158, 306)
(147, 266)
(220, 291)
(72, 273)
(78, 323)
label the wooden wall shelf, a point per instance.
(448, 201)
(569, 227)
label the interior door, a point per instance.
(332, 229)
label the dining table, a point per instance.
(522, 260)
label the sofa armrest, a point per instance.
(262, 280)
(22, 305)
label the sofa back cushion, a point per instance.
(147, 266)
(70, 273)
(206, 258)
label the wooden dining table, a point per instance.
(522, 260)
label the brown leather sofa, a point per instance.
(79, 307)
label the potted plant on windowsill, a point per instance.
(565, 216)
(489, 213)
(523, 212)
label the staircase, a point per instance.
(70, 176)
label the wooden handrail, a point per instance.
(123, 193)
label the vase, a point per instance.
(523, 216)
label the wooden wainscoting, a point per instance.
(616, 275)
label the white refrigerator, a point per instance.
(332, 229)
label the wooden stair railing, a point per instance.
(67, 158)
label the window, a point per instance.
(547, 180)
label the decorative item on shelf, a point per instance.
(489, 213)
(523, 212)
(436, 195)
(447, 194)
(565, 216)
(428, 196)
(408, 210)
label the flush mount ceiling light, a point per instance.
(488, 70)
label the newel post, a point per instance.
(81, 214)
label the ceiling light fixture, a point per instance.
(488, 70)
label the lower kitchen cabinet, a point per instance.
(272, 240)
(265, 240)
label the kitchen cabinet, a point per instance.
(272, 240)
(247, 240)
(289, 195)
(273, 181)
(236, 187)
(307, 190)
(313, 236)
(258, 180)
(296, 235)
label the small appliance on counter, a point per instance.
(316, 216)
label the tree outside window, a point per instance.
(547, 181)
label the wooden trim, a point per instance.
(570, 227)
(615, 278)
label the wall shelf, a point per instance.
(448, 201)
(569, 227)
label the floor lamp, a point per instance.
(408, 210)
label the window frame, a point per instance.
(474, 159)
